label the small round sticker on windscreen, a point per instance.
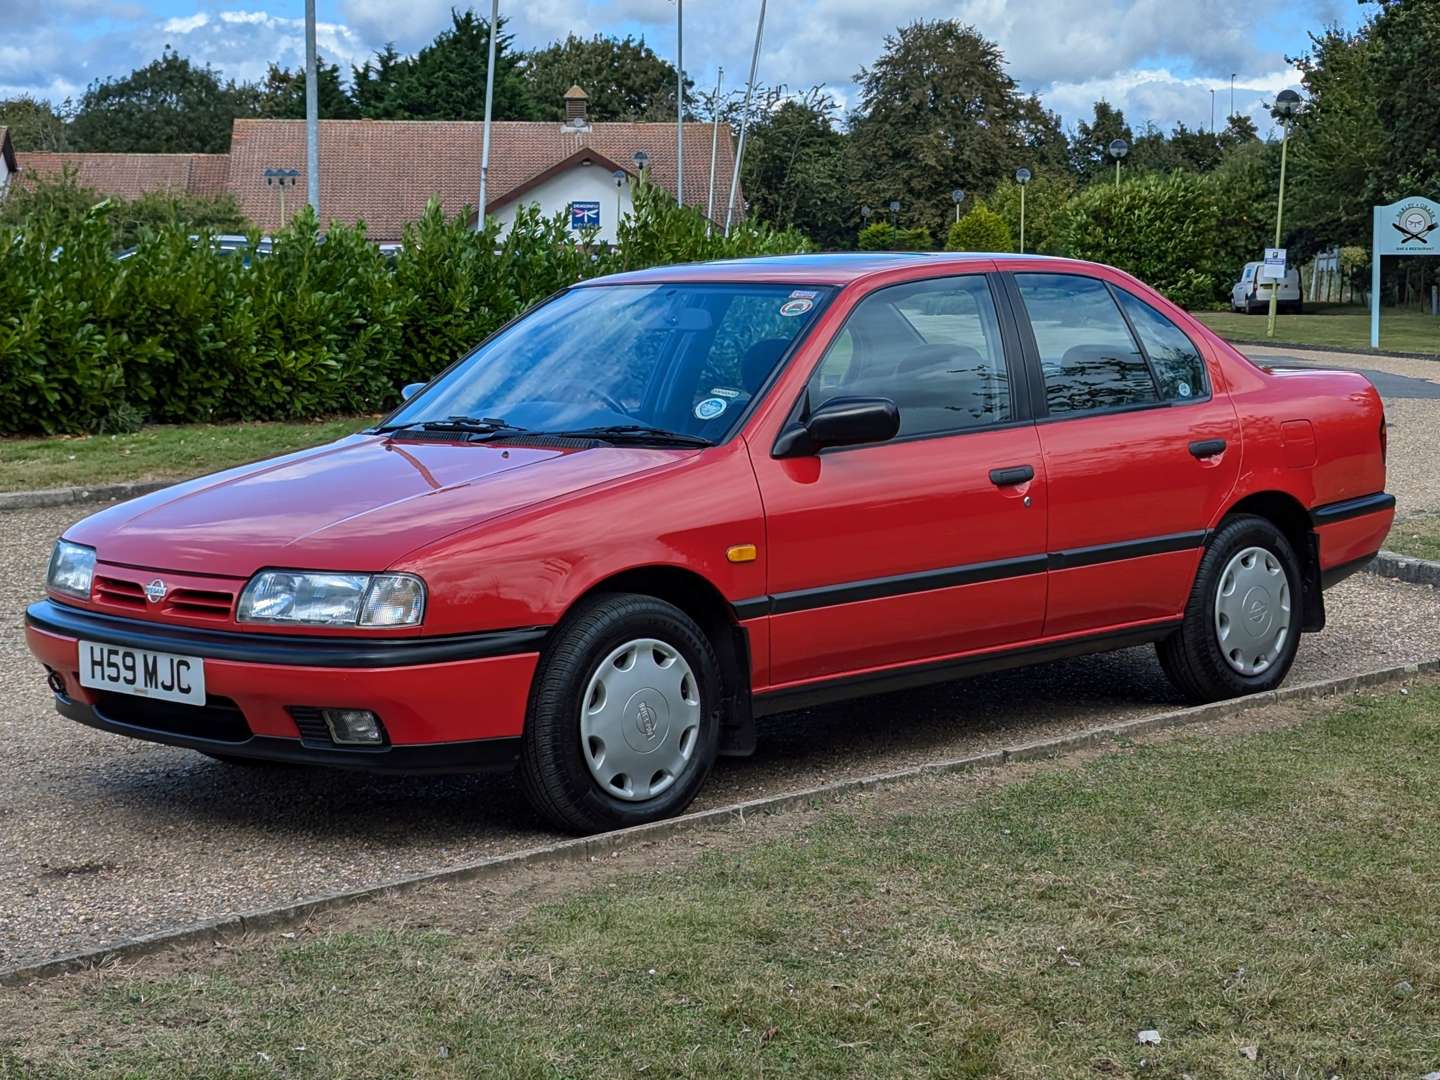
(710, 408)
(1183, 389)
(798, 306)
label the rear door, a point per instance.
(931, 544)
(1141, 448)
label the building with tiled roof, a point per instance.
(384, 172)
(131, 175)
(8, 165)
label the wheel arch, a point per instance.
(697, 597)
(1289, 515)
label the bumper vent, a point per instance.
(313, 728)
(219, 719)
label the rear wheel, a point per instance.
(1242, 621)
(624, 717)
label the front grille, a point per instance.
(194, 603)
(118, 592)
(313, 728)
(219, 718)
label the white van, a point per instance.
(1252, 296)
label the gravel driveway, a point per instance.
(102, 837)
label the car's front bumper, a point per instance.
(447, 704)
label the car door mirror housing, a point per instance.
(844, 421)
(409, 390)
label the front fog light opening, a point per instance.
(354, 727)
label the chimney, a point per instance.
(577, 104)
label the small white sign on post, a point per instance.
(1274, 265)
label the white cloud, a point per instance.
(1158, 94)
(242, 44)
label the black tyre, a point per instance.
(1242, 620)
(624, 717)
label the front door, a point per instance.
(1141, 448)
(926, 546)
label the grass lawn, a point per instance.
(1418, 536)
(1332, 324)
(156, 453)
(1274, 889)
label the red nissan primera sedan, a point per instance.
(664, 503)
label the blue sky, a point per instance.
(1157, 59)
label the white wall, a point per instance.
(583, 183)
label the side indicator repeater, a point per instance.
(741, 553)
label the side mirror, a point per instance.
(409, 390)
(843, 421)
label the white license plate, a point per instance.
(146, 674)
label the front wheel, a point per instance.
(1242, 621)
(624, 717)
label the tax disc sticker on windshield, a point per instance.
(710, 408)
(798, 306)
(1183, 389)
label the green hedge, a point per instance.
(176, 333)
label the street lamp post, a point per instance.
(1117, 149)
(280, 178)
(679, 102)
(489, 109)
(959, 196)
(1287, 103)
(619, 175)
(1022, 177)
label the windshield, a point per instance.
(681, 358)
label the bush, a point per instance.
(177, 333)
(882, 236)
(980, 230)
(1169, 231)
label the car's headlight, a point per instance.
(72, 568)
(321, 599)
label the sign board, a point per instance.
(584, 215)
(1407, 227)
(1274, 269)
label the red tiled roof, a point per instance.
(384, 171)
(131, 175)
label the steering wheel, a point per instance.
(601, 396)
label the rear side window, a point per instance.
(1087, 353)
(1179, 369)
(933, 347)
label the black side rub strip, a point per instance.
(926, 580)
(286, 649)
(1352, 508)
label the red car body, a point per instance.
(875, 568)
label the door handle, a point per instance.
(1015, 474)
(1207, 448)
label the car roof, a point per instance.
(834, 268)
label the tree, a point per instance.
(982, 229)
(1240, 129)
(1090, 148)
(1197, 150)
(168, 106)
(282, 94)
(1151, 151)
(34, 124)
(446, 79)
(795, 173)
(937, 111)
(624, 77)
(1406, 35)
(1043, 137)
(1046, 197)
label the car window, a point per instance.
(933, 347)
(685, 357)
(1249, 272)
(1088, 355)
(1177, 364)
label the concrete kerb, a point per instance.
(1405, 568)
(594, 847)
(31, 500)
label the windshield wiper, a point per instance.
(633, 433)
(475, 425)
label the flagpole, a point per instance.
(714, 149)
(489, 103)
(680, 102)
(745, 119)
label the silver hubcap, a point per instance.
(1252, 610)
(640, 720)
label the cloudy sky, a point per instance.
(1156, 59)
